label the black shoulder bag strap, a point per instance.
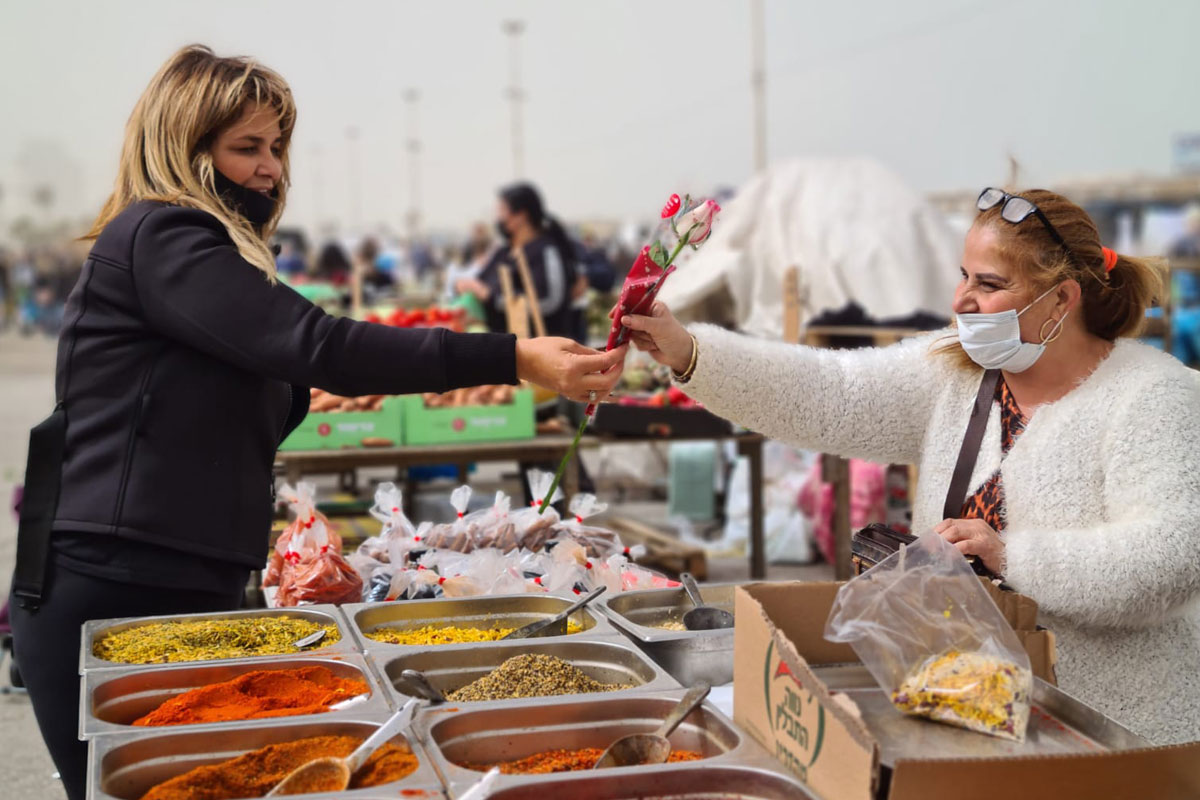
(969, 453)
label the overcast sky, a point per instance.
(627, 99)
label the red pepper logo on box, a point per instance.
(459, 425)
(324, 429)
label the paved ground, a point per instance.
(26, 383)
(26, 380)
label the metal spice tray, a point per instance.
(322, 614)
(112, 699)
(689, 656)
(1058, 724)
(126, 766)
(609, 661)
(491, 732)
(467, 612)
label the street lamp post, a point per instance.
(413, 146)
(758, 82)
(516, 95)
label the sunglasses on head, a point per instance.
(1016, 210)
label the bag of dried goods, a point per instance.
(599, 542)
(322, 578)
(927, 630)
(453, 535)
(301, 500)
(531, 529)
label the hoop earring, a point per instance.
(1058, 333)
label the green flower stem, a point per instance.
(562, 466)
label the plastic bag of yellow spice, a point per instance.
(927, 630)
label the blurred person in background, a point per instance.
(290, 261)
(24, 274)
(6, 298)
(522, 222)
(472, 258)
(182, 366)
(596, 274)
(332, 265)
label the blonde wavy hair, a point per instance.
(169, 137)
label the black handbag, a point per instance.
(876, 542)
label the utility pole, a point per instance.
(354, 178)
(516, 95)
(318, 189)
(413, 146)
(758, 82)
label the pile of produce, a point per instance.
(471, 396)
(257, 695)
(256, 773)
(434, 317)
(436, 635)
(531, 675)
(648, 384)
(565, 761)
(206, 639)
(321, 401)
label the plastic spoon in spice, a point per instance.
(332, 774)
(556, 625)
(702, 617)
(652, 748)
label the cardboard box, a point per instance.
(465, 424)
(333, 430)
(820, 736)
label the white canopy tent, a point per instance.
(852, 229)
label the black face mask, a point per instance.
(254, 206)
(503, 231)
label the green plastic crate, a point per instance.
(335, 430)
(468, 423)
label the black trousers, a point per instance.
(46, 648)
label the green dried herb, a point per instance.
(531, 676)
(206, 639)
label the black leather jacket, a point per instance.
(182, 368)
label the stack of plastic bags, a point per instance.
(496, 550)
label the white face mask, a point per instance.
(993, 341)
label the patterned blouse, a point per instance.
(987, 504)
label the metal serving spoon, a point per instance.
(652, 748)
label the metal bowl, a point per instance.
(689, 656)
(609, 661)
(676, 782)
(468, 612)
(114, 698)
(323, 614)
(126, 766)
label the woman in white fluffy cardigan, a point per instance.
(1089, 469)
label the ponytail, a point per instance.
(559, 239)
(1116, 305)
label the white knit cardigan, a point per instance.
(1102, 492)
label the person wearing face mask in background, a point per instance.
(522, 222)
(1085, 490)
(183, 364)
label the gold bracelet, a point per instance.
(686, 375)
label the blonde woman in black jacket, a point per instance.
(181, 367)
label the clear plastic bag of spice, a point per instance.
(933, 639)
(531, 529)
(299, 535)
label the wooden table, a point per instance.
(295, 464)
(749, 445)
